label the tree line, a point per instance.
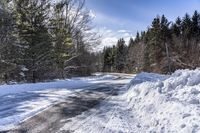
(43, 39)
(164, 47)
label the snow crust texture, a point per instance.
(166, 104)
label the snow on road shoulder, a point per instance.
(22, 101)
(19, 88)
(98, 77)
(166, 103)
(68, 83)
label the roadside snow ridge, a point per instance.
(166, 103)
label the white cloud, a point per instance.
(109, 41)
(115, 29)
(108, 31)
(110, 37)
(126, 35)
(122, 31)
(102, 19)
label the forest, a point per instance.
(163, 48)
(43, 40)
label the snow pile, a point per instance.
(166, 103)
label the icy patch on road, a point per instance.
(166, 103)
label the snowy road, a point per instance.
(102, 104)
(83, 104)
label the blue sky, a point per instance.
(123, 18)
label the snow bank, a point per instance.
(166, 103)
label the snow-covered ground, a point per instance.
(68, 83)
(22, 101)
(150, 103)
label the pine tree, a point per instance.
(166, 36)
(62, 39)
(154, 47)
(113, 56)
(158, 44)
(137, 39)
(33, 37)
(194, 42)
(163, 47)
(107, 58)
(176, 27)
(120, 59)
(8, 50)
(130, 60)
(186, 31)
(196, 24)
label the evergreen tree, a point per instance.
(186, 31)
(113, 56)
(107, 58)
(196, 24)
(158, 46)
(137, 39)
(120, 59)
(33, 37)
(163, 47)
(166, 36)
(109, 54)
(62, 39)
(154, 47)
(8, 50)
(130, 55)
(176, 27)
